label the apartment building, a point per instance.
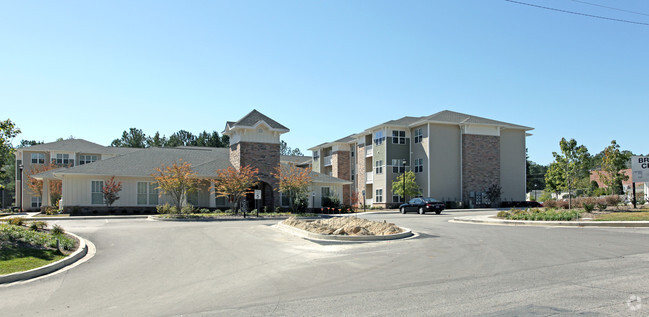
(64, 153)
(455, 157)
(85, 167)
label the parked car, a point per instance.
(423, 205)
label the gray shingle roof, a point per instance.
(72, 145)
(205, 162)
(295, 159)
(456, 117)
(321, 178)
(255, 116)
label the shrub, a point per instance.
(588, 207)
(502, 214)
(38, 225)
(613, 200)
(331, 202)
(550, 203)
(167, 209)
(563, 204)
(17, 221)
(57, 230)
(278, 209)
(265, 209)
(186, 210)
(204, 211)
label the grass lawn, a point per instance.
(17, 259)
(624, 216)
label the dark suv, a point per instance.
(423, 205)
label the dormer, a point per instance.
(255, 127)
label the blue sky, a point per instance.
(325, 69)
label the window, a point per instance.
(398, 167)
(85, 159)
(19, 175)
(419, 165)
(220, 201)
(326, 191)
(38, 158)
(379, 137)
(418, 135)
(397, 199)
(284, 200)
(62, 159)
(36, 202)
(316, 155)
(96, 192)
(353, 172)
(379, 196)
(378, 168)
(147, 193)
(398, 137)
(192, 198)
(352, 153)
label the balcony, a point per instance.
(369, 151)
(369, 178)
(327, 160)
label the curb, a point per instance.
(603, 224)
(316, 236)
(203, 219)
(43, 270)
(86, 218)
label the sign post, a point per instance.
(257, 199)
(639, 172)
(313, 201)
(364, 206)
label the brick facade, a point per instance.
(266, 158)
(480, 163)
(341, 168)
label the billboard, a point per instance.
(640, 169)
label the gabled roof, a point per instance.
(253, 118)
(299, 160)
(77, 145)
(448, 116)
(205, 162)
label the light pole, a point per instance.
(403, 162)
(20, 167)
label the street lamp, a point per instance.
(403, 162)
(20, 167)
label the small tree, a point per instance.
(493, 194)
(176, 180)
(411, 187)
(111, 190)
(235, 184)
(293, 182)
(612, 162)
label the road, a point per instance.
(237, 268)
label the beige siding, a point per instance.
(512, 164)
(445, 162)
(77, 190)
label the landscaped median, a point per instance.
(30, 250)
(344, 229)
(558, 217)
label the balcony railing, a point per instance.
(327, 160)
(369, 178)
(369, 151)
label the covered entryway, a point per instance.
(267, 197)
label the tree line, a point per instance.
(570, 171)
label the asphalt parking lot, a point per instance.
(249, 268)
